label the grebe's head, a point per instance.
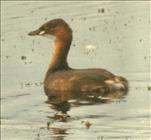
(55, 27)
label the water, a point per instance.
(120, 35)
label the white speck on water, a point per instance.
(90, 48)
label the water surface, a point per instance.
(120, 33)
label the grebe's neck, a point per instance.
(60, 52)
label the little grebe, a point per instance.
(60, 78)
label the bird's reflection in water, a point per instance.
(62, 102)
(59, 133)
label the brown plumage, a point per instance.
(60, 78)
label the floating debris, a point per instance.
(110, 41)
(7, 56)
(74, 45)
(140, 40)
(100, 137)
(102, 10)
(28, 84)
(91, 28)
(3, 39)
(36, 84)
(30, 62)
(38, 136)
(149, 88)
(23, 57)
(117, 12)
(87, 124)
